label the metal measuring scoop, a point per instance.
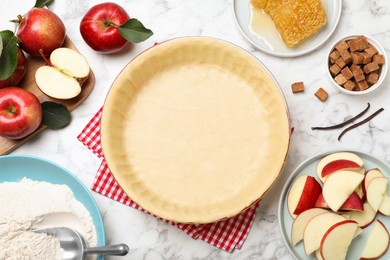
(75, 247)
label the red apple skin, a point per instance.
(18, 74)
(20, 112)
(354, 202)
(338, 165)
(40, 28)
(98, 27)
(310, 193)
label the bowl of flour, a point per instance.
(36, 193)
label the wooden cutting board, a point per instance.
(28, 83)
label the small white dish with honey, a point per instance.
(356, 64)
(277, 29)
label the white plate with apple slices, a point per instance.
(342, 230)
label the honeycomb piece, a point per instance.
(294, 19)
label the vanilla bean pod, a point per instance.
(343, 123)
(360, 123)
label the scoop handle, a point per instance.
(119, 249)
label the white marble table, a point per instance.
(152, 239)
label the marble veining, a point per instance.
(150, 238)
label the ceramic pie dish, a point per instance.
(195, 130)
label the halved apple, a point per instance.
(316, 229)
(336, 241)
(369, 175)
(339, 186)
(353, 202)
(337, 161)
(363, 218)
(384, 208)
(303, 194)
(377, 242)
(376, 188)
(299, 224)
(63, 77)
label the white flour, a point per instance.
(29, 204)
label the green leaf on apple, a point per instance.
(9, 54)
(134, 31)
(42, 3)
(55, 115)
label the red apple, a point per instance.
(20, 112)
(19, 72)
(40, 29)
(99, 27)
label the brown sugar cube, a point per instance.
(366, 58)
(346, 55)
(359, 77)
(362, 85)
(347, 73)
(353, 46)
(362, 42)
(297, 87)
(342, 46)
(349, 85)
(371, 51)
(340, 62)
(334, 70)
(354, 67)
(357, 58)
(379, 58)
(334, 55)
(372, 78)
(370, 67)
(321, 94)
(340, 79)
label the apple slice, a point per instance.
(377, 242)
(339, 186)
(318, 254)
(354, 202)
(359, 190)
(316, 229)
(335, 242)
(376, 188)
(363, 218)
(384, 208)
(299, 224)
(303, 194)
(337, 161)
(65, 74)
(369, 175)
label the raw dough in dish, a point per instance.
(195, 130)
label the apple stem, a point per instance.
(44, 58)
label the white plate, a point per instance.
(269, 41)
(308, 167)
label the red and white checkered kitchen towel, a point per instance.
(226, 234)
